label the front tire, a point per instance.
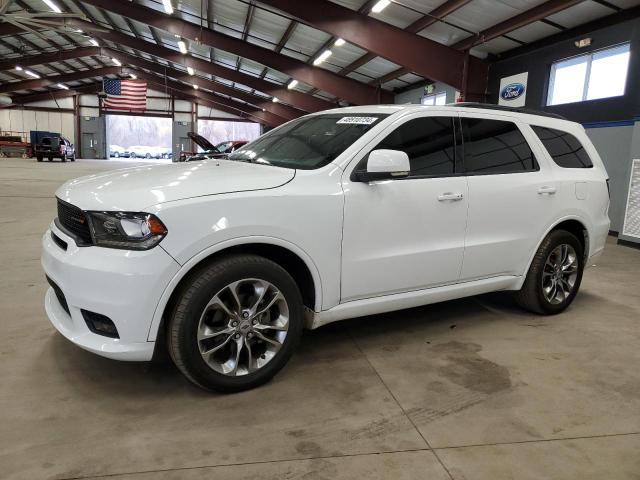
(236, 323)
(554, 276)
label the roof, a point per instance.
(143, 36)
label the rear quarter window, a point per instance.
(565, 149)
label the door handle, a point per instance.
(453, 197)
(547, 190)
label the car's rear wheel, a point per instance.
(555, 274)
(235, 323)
(116, 155)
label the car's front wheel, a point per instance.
(554, 276)
(236, 323)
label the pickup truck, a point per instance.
(55, 147)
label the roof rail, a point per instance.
(491, 106)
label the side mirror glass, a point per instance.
(383, 164)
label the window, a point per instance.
(565, 149)
(308, 143)
(494, 146)
(435, 99)
(429, 143)
(600, 74)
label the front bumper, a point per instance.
(124, 285)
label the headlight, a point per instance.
(129, 231)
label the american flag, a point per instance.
(125, 94)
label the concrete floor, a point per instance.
(470, 389)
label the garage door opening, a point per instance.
(139, 138)
(226, 135)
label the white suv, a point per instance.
(344, 213)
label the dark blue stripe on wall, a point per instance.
(614, 123)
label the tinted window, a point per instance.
(565, 149)
(494, 146)
(428, 141)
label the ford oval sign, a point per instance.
(512, 91)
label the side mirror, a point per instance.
(384, 164)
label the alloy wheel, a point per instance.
(243, 327)
(559, 274)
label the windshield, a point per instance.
(308, 143)
(224, 147)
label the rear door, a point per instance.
(512, 196)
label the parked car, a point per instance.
(116, 151)
(208, 149)
(55, 147)
(140, 151)
(344, 213)
(231, 146)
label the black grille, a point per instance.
(74, 222)
(60, 295)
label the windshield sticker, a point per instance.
(358, 120)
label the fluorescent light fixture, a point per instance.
(339, 42)
(322, 57)
(60, 85)
(18, 68)
(381, 5)
(292, 84)
(32, 74)
(116, 61)
(52, 6)
(190, 71)
(94, 42)
(167, 6)
(195, 87)
(275, 100)
(182, 46)
(133, 76)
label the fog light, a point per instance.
(100, 324)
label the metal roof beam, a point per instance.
(523, 19)
(29, 61)
(420, 55)
(55, 79)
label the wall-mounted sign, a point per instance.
(513, 90)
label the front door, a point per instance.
(406, 234)
(511, 200)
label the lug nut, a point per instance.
(234, 324)
(237, 335)
(255, 322)
(249, 334)
(245, 315)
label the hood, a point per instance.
(137, 188)
(201, 141)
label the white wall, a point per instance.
(26, 120)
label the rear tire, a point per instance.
(226, 341)
(554, 276)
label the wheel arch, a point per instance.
(572, 224)
(292, 258)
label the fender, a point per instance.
(193, 261)
(577, 218)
